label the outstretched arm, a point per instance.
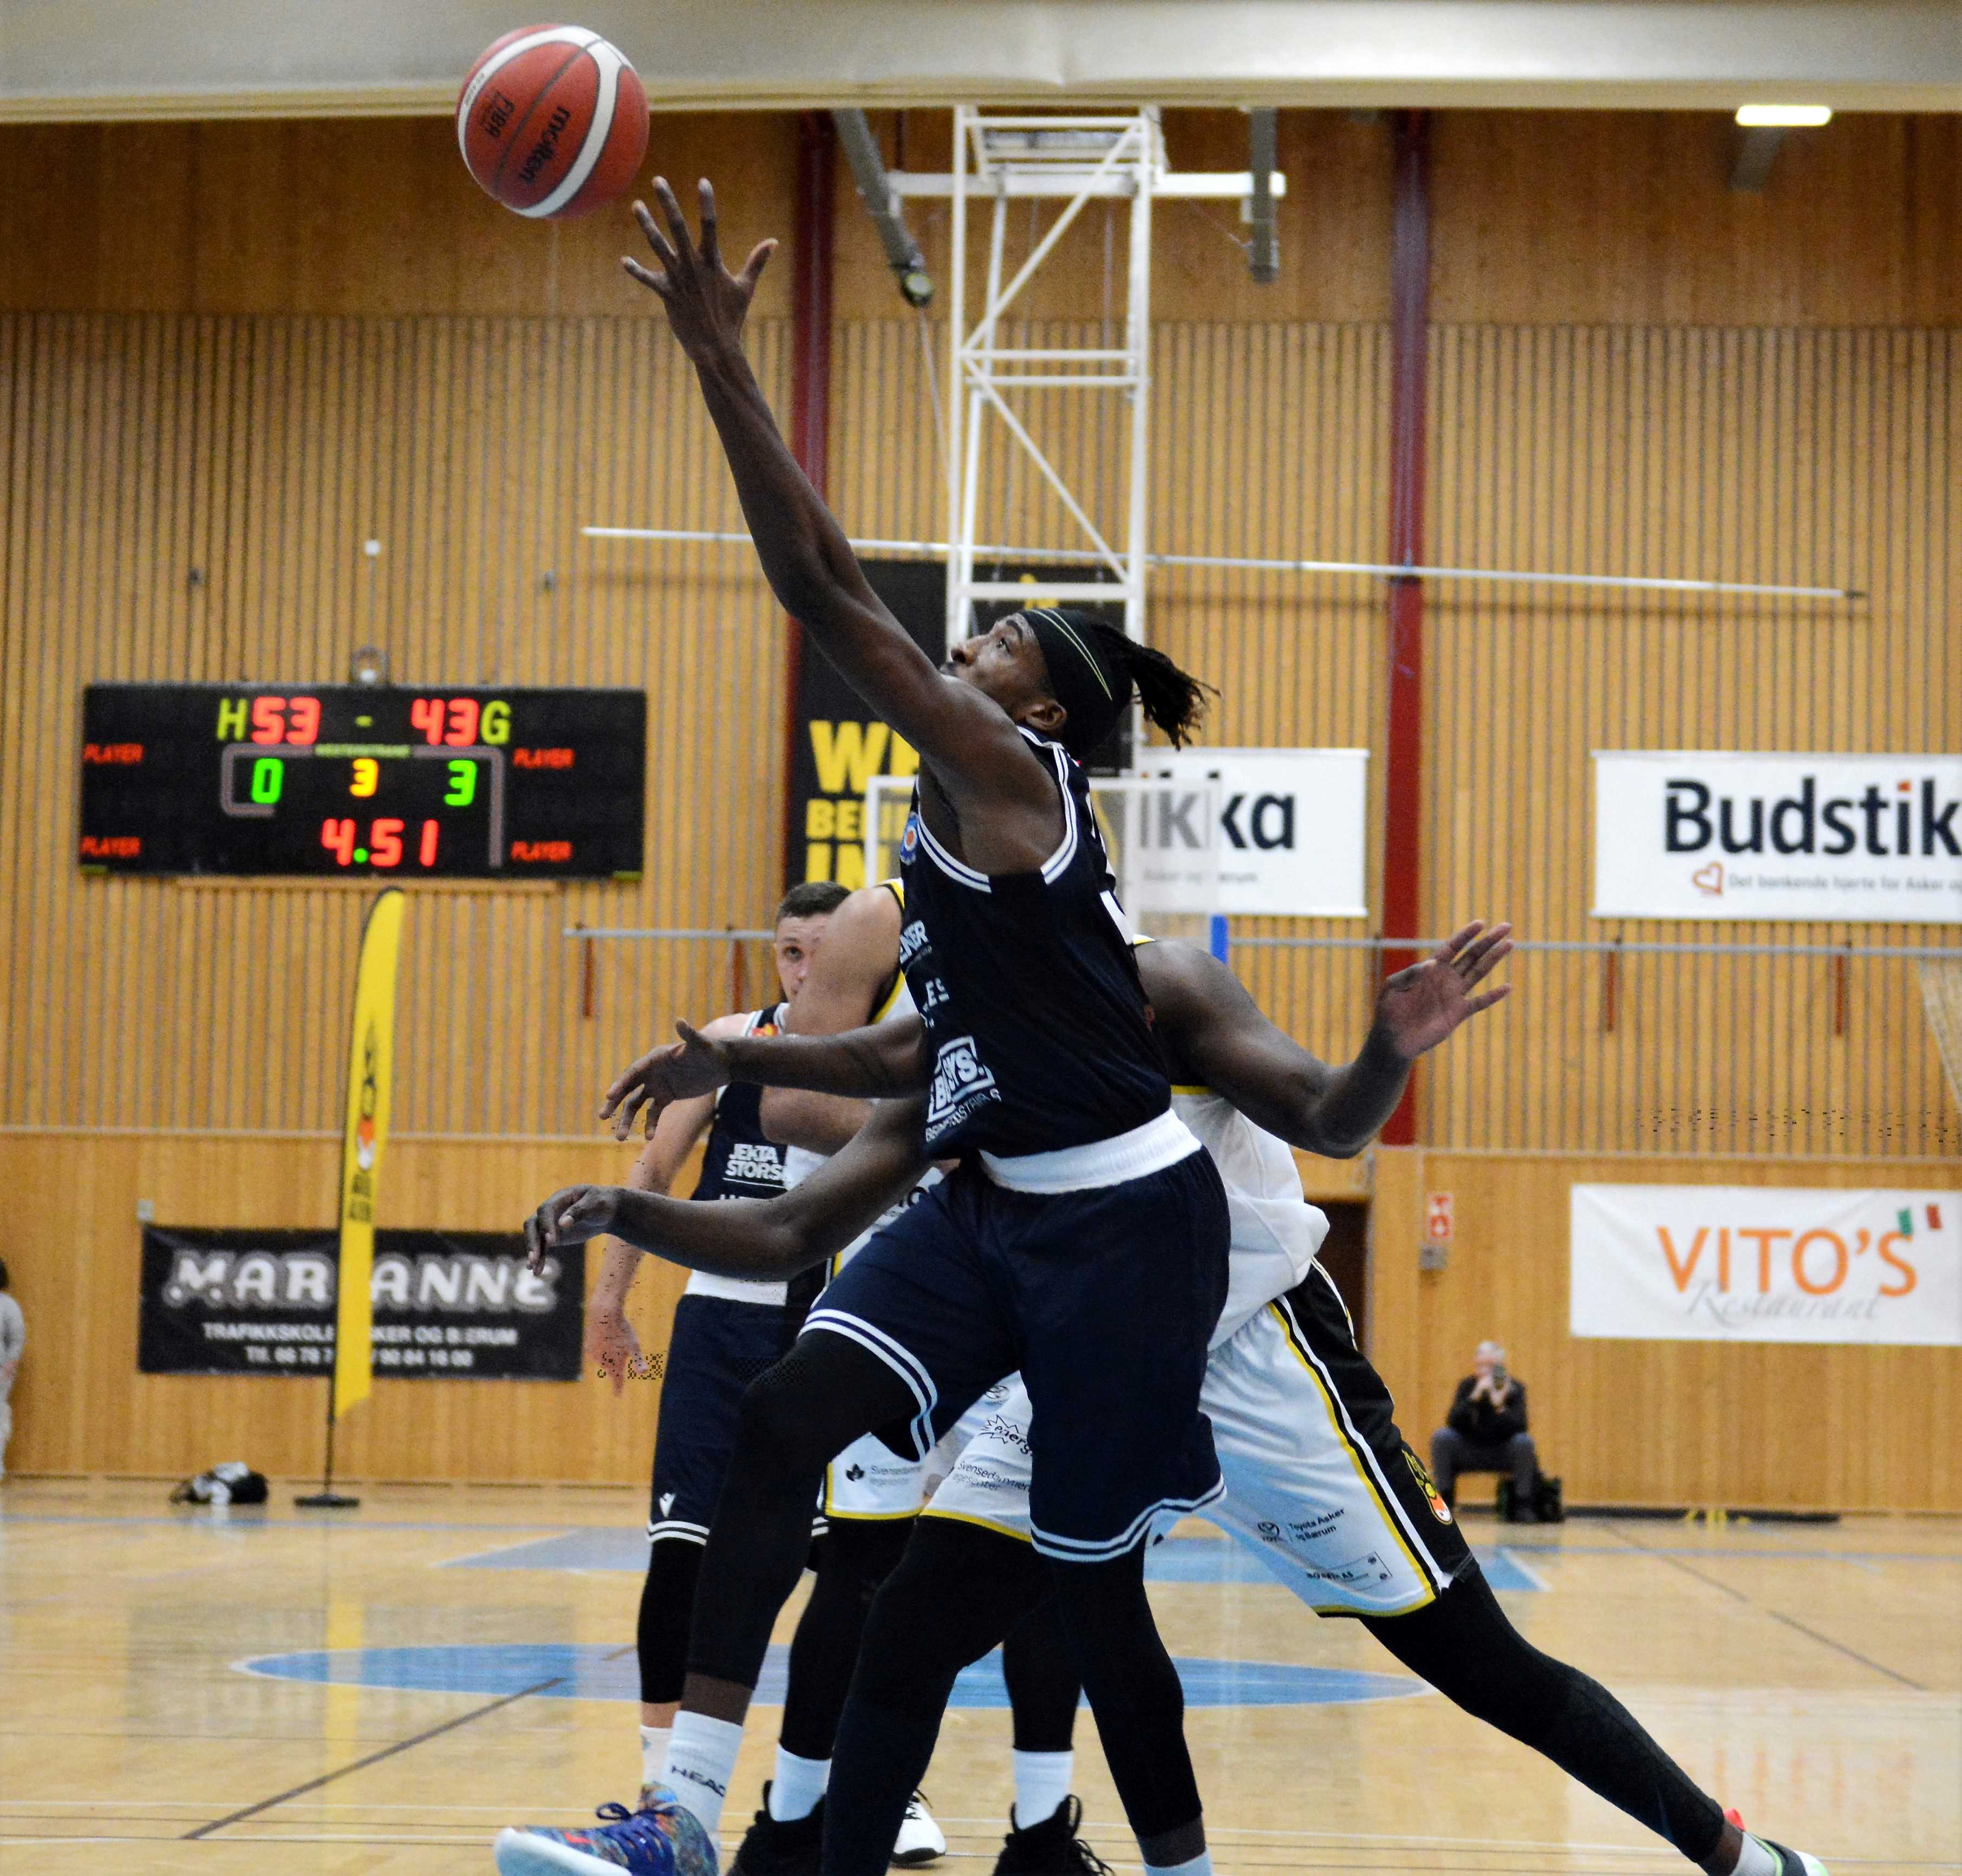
(970, 743)
(882, 1060)
(1220, 1037)
(750, 1237)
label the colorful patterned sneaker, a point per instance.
(662, 1838)
(920, 1840)
(1790, 1862)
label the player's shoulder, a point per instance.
(736, 1023)
(869, 915)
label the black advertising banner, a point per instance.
(840, 745)
(450, 1304)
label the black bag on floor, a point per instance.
(235, 1482)
(1547, 1505)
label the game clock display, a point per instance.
(352, 780)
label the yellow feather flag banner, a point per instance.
(371, 1061)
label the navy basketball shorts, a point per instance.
(1104, 1299)
(717, 1347)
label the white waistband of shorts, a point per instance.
(1148, 1149)
(737, 1289)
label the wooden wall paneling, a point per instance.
(82, 1406)
(1742, 1057)
(1660, 1422)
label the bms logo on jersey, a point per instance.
(961, 1082)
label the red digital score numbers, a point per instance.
(384, 847)
(456, 722)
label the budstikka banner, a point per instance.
(1718, 834)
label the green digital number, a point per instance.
(462, 785)
(269, 775)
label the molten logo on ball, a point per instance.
(562, 129)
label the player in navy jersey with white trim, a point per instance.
(1083, 1239)
(726, 1331)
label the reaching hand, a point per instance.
(611, 1345)
(570, 1216)
(696, 1065)
(1417, 1008)
(706, 303)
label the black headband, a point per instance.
(1092, 687)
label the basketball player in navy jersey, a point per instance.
(1321, 1485)
(726, 1331)
(1083, 1239)
(871, 1496)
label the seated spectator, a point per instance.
(1486, 1432)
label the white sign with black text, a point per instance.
(1753, 1263)
(1718, 835)
(1292, 827)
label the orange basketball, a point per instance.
(553, 121)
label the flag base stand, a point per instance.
(326, 1498)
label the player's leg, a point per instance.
(957, 1591)
(1322, 1487)
(1130, 1278)
(1043, 1694)
(819, 1398)
(901, 1343)
(856, 1556)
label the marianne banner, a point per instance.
(1723, 834)
(448, 1305)
(1754, 1263)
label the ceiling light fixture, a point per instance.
(1784, 116)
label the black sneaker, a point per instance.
(773, 1847)
(1051, 1848)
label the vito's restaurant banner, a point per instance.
(1748, 1263)
(1715, 834)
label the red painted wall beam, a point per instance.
(1402, 764)
(811, 272)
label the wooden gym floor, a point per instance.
(442, 1662)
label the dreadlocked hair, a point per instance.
(1173, 701)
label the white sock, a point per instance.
(701, 1761)
(1755, 1860)
(798, 1784)
(1198, 1865)
(653, 1752)
(1042, 1783)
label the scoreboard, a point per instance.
(357, 779)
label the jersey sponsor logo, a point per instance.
(667, 1503)
(910, 839)
(1001, 1428)
(961, 1082)
(1428, 1486)
(912, 941)
(760, 1166)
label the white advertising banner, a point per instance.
(1292, 829)
(1703, 834)
(1754, 1263)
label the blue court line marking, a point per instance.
(589, 1671)
(1178, 1560)
(253, 1518)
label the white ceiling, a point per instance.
(70, 59)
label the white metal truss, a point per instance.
(1073, 159)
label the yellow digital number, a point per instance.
(367, 774)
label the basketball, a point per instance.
(553, 122)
